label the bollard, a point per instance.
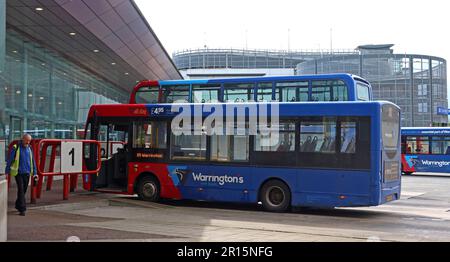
(39, 187)
(66, 187)
(49, 183)
(3, 208)
(73, 183)
(33, 193)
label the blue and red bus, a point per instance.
(307, 88)
(330, 154)
(425, 149)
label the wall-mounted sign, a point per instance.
(442, 111)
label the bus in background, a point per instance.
(425, 149)
(307, 88)
(344, 154)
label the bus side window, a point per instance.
(264, 93)
(231, 148)
(440, 145)
(237, 93)
(150, 135)
(348, 137)
(176, 94)
(318, 136)
(418, 145)
(284, 141)
(188, 146)
(292, 91)
(329, 91)
(205, 93)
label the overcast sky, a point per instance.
(416, 27)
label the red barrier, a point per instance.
(40, 150)
(68, 177)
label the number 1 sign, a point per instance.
(71, 157)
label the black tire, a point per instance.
(275, 196)
(148, 189)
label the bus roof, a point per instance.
(347, 77)
(285, 109)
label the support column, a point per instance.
(430, 83)
(3, 208)
(411, 82)
(25, 86)
(52, 99)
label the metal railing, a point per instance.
(272, 52)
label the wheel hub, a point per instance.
(276, 196)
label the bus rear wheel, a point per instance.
(148, 189)
(275, 196)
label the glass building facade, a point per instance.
(417, 83)
(44, 94)
(57, 58)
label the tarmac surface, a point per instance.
(422, 214)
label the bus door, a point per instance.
(113, 138)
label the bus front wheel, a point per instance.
(148, 189)
(275, 196)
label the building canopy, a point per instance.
(109, 38)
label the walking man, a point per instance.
(21, 166)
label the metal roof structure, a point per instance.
(109, 38)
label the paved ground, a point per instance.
(423, 214)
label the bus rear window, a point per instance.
(362, 92)
(390, 126)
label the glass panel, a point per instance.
(112, 137)
(47, 90)
(150, 135)
(64, 132)
(440, 145)
(188, 147)
(230, 148)
(417, 145)
(292, 91)
(237, 93)
(363, 92)
(318, 136)
(390, 126)
(39, 129)
(264, 92)
(348, 137)
(329, 91)
(205, 93)
(176, 94)
(147, 95)
(284, 141)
